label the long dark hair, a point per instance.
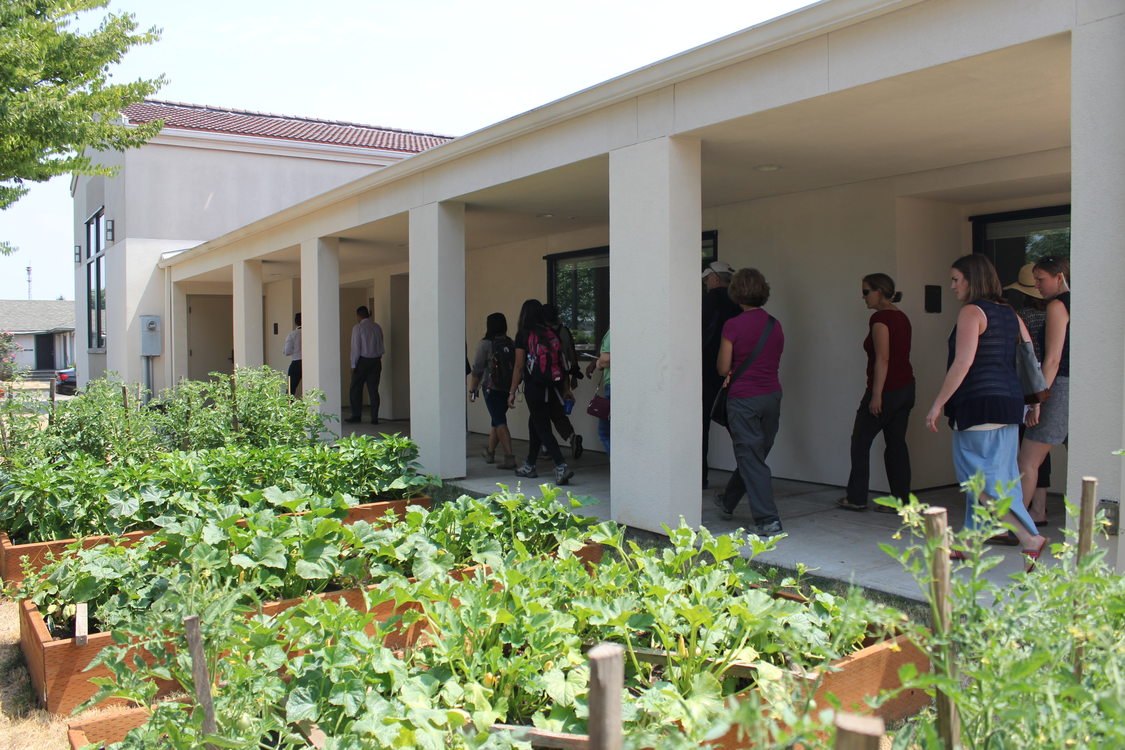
(981, 275)
(496, 325)
(531, 316)
(1055, 266)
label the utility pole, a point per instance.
(29, 282)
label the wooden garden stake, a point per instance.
(199, 675)
(607, 680)
(1086, 516)
(81, 624)
(855, 732)
(1085, 544)
(937, 528)
(125, 399)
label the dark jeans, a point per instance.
(753, 426)
(539, 424)
(367, 372)
(711, 388)
(294, 376)
(892, 422)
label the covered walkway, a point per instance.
(830, 542)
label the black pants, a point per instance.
(294, 376)
(892, 422)
(712, 384)
(367, 372)
(558, 415)
(539, 424)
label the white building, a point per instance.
(849, 137)
(208, 172)
(43, 329)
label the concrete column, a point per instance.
(176, 331)
(437, 341)
(654, 262)
(1097, 348)
(320, 321)
(248, 346)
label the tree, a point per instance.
(56, 101)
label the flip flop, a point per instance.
(1033, 556)
(846, 504)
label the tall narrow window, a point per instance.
(95, 280)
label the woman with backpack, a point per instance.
(539, 367)
(492, 369)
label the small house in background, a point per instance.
(44, 329)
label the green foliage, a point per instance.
(1039, 662)
(86, 496)
(56, 100)
(509, 647)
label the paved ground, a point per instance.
(831, 542)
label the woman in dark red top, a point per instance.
(886, 404)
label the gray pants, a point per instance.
(753, 426)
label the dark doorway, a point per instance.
(44, 351)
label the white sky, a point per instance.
(436, 66)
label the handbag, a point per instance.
(719, 407)
(599, 404)
(1032, 382)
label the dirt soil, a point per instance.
(23, 725)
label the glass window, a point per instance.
(578, 285)
(95, 280)
(1015, 238)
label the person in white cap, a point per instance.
(718, 308)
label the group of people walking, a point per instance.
(981, 396)
(542, 358)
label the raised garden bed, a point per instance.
(856, 680)
(11, 555)
(60, 667)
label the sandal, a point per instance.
(846, 504)
(1006, 538)
(1033, 556)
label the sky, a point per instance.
(435, 66)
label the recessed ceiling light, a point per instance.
(768, 168)
(545, 216)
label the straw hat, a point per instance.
(1025, 282)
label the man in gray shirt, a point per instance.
(367, 364)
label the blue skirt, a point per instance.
(993, 454)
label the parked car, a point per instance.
(66, 382)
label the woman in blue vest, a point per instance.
(982, 396)
(1048, 423)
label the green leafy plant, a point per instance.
(1040, 661)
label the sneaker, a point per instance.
(773, 528)
(576, 446)
(527, 470)
(562, 474)
(724, 513)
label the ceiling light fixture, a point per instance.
(768, 168)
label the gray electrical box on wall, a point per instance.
(152, 339)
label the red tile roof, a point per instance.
(239, 122)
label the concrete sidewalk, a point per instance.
(829, 541)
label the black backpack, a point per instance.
(502, 363)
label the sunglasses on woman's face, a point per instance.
(866, 292)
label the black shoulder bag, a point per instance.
(719, 408)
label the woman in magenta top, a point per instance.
(888, 399)
(754, 400)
